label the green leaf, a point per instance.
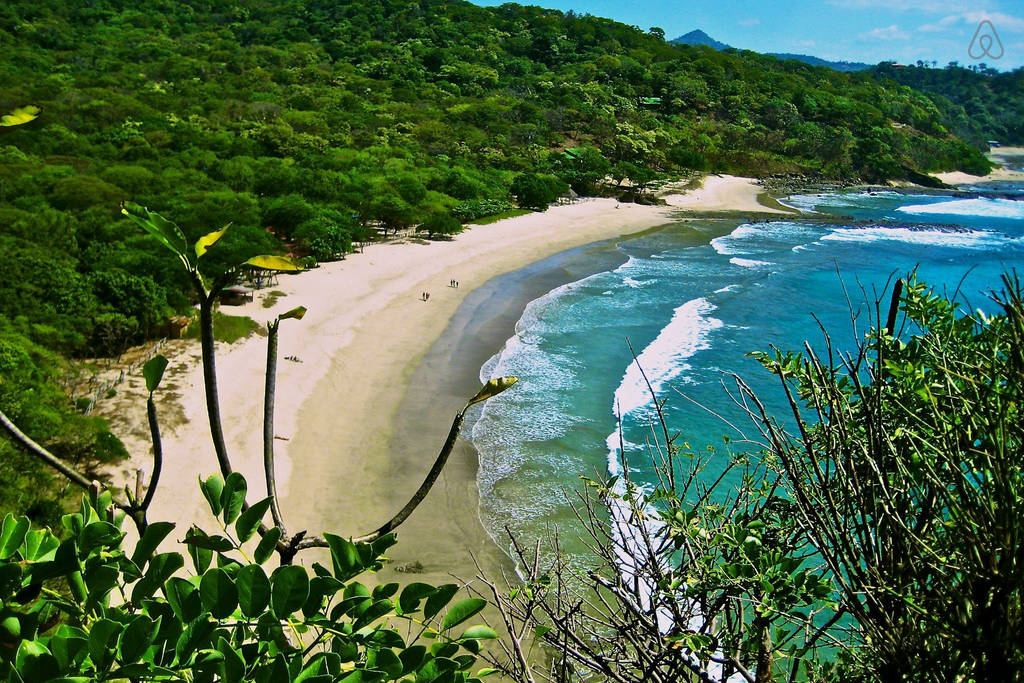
(290, 588)
(266, 546)
(169, 234)
(295, 313)
(479, 633)
(249, 520)
(218, 593)
(234, 664)
(12, 535)
(153, 371)
(20, 116)
(183, 597)
(437, 601)
(461, 611)
(102, 638)
(197, 537)
(409, 599)
(232, 498)
(40, 545)
(136, 639)
(270, 262)
(389, 663)
(154, 535)
(345, 557)
(212, 489)
(209, 239)
(253, 590)
(492, 388)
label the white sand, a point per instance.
(366, 330)
(1000, 172)
(722, 193)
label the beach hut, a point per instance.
(236, 295)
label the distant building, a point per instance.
(994, 143)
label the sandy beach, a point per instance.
(351, 360)
(997, 156)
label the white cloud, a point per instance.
(1002, 22)
(893, 32)
(752, 21)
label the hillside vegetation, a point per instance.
(314, 124)
(986, 104)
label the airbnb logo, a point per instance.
(985, 42)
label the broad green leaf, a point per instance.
(253, 590)
(234, 664)
(40, 545)
(249, 520)
(183, 597)
(155, 533)
(212, 489)
(345, 557)
(411, 658)
(201, 558)
(12, 535)
(232, 498)
(461, 611)
(33, 662)
(102, 639)
(136, 639)
(209, 239)
(290, 588)
(437, 601)
(266, 546)
(270, 262)
(218, 593)
(153, 371)
(199, 538)
(409, 599)
(492, 388)
(20, 116)
(295, 313)
(169, 234)
(389, 663)
(479, 632)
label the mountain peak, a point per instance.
(698, 37)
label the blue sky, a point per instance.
(854, 30)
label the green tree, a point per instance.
(440, 223)
(536, 190)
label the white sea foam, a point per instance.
(730, 244)
(727, 288)
(664, 358)
(968, 239)
(748, 263)
(982, 206)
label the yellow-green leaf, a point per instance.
(493, 388)
(20, 116)
(209, 239)
(295, 313)
(169, 234)
(275, 263)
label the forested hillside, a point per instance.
(313, 123)
(987, 104)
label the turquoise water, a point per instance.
(692, 300)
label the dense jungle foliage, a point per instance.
(988, 104)
(312, 124)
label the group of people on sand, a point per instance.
(425, 296)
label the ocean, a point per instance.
(690, 301)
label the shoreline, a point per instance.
(356, 354)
